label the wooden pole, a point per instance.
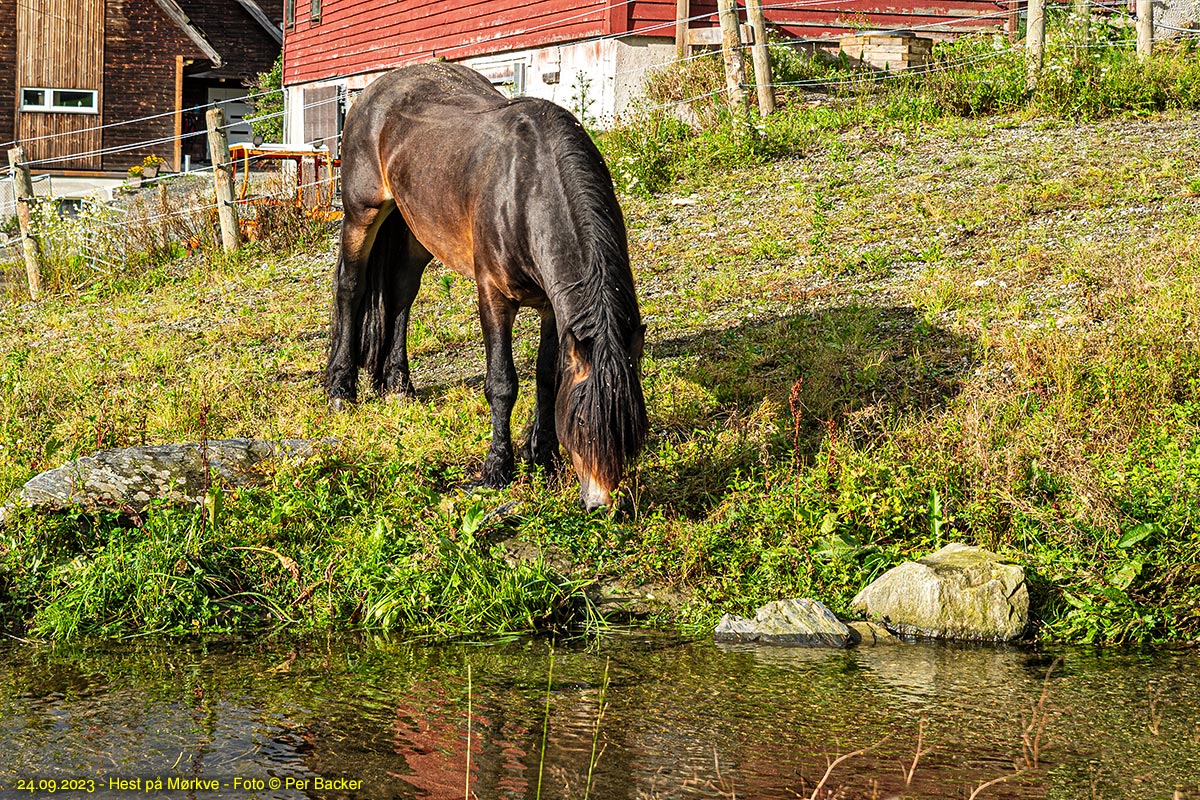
(1145, 29)
(177, 146)
(1035, 43)
(735, 65)
(218, 146)
(164, 232)
(763, 82)
(683, 13)
(1082, 17)
(22, 193)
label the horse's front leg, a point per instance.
(496, 315)
(541, 443)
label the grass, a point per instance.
(895, 324)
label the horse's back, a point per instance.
(439, 90)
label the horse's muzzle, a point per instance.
(592, 494)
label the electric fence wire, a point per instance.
(135, 120)
(193, 210)
(124, 148)
(798, 5)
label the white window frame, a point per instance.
(48, 106)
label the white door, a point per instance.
(236, 111)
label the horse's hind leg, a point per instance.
(349, 291)
(409, 261)
(541, 442)
(496, 315)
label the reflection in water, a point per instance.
(680, 720)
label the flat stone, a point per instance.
(130, 478)
(959, 592)
(870, 634)
(795, 622)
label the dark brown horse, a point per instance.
(514, 194)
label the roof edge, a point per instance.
(260, 16)
(172, 10)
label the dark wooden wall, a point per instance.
(8, 75)
(140, 49)
(247, 48)
(52, 54)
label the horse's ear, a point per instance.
(637, 342)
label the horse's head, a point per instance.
(600, 412)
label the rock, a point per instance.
(786, 622)
(869, 634)
(959, 592)
(129, 478)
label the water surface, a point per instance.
(680, 720)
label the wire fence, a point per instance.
(186, 212)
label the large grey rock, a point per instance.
(129, 478)
(786, 622)
(959, 592)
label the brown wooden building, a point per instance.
(97, 85)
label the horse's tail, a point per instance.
(376, 310)
(604, 421)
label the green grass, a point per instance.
(889, 327)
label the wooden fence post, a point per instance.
(762, 61)
(1082, 18)
(218, 146)
(1145, 29)
(22, 193)
(683, 13)
(1035, 43)
(164, 231)
(735, 65)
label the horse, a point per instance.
(436, 163)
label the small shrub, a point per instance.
(267, 119)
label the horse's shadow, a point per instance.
(727, 404)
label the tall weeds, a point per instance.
(685, 126)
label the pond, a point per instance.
(368, 717)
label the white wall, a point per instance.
(597, 80)
(1174, 14)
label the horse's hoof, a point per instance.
(497, 474)
(341, 404)
(400, 395)
(495, 480)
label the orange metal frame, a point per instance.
(320, 159)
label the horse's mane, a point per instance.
(606, 413)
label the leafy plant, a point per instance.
(267, 101)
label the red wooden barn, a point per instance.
(587, 55)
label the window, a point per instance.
(289, 12)
(316, 11)
(67, 101)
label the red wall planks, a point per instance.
(360, 36)
(356, 36)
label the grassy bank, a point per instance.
(871, 332)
